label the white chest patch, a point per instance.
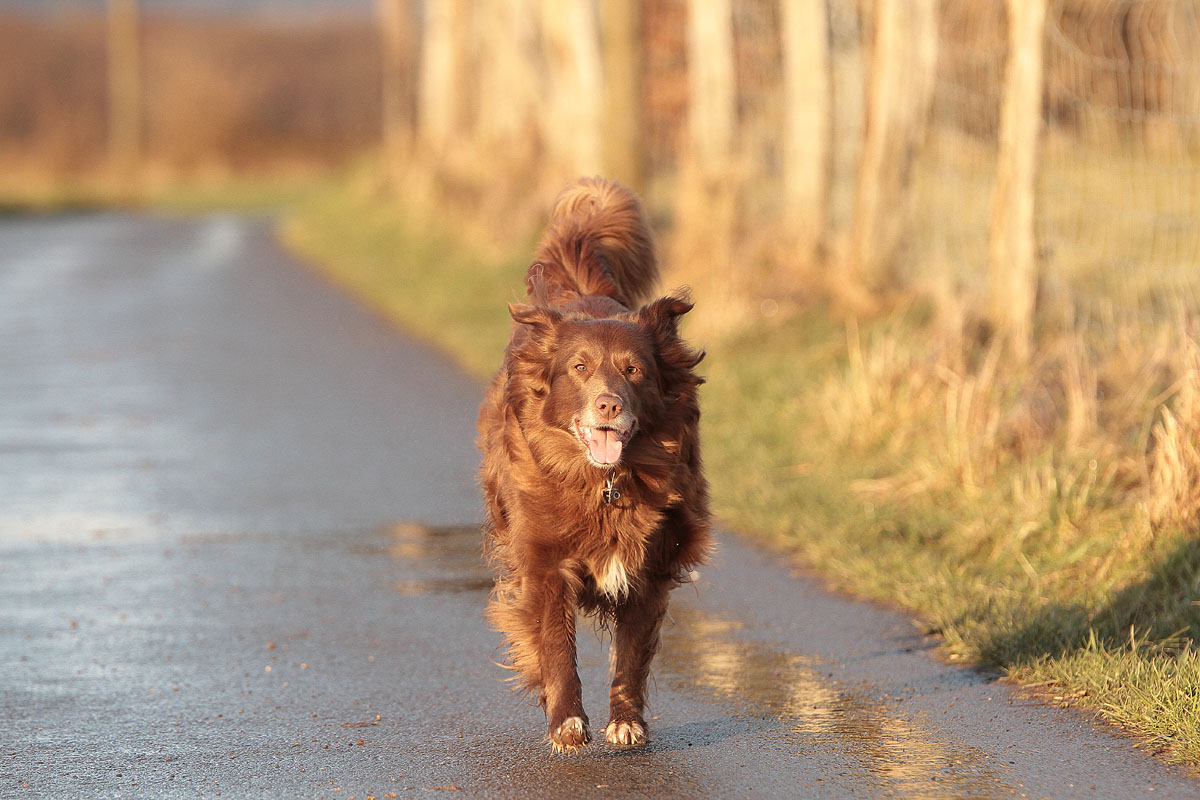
(614, 580)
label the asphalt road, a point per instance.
(239, 558)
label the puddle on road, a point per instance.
(812, 711)
(455, 549)
(464, 585)
(452, 545)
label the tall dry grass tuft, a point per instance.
(1174, 490)
(936, 405)
(1045, 458)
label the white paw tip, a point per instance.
(625, 734)
(571, 725)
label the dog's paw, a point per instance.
(570, 736)
(626, 733)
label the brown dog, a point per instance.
(596, 499)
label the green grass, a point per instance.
(269, 193)
(415, 273)
(1146, 689)
(28, 196)
(904, 465)
(266, 193)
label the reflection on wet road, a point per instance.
(456, 549)
(796, 705)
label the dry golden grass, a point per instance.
(956, 414)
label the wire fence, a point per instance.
(1117, 193)
(1120, 179)
(1116, 196)
(1118, 174)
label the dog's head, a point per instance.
(604, 380)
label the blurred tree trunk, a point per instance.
(709, 188)
(508, 79)
(712, 97)
(572, 124)
(398, 30)
(125, 90)
(808, 120)
(899, 94)
(621, 21)
(443, 92)
(1012, 255)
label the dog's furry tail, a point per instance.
(598, 242)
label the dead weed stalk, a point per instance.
(1174, 490)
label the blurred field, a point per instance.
(52, 92)
(224, 98)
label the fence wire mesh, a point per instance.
(1117, 200)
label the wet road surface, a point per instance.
(239, 558)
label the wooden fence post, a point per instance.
(899, 94)
(708, 186)
(808, 119)
(1012, 256)
(509, 79)
(125, 90)
(442, 100)
(712, 90)
(572, 124)
(399, 39)
(621, 26)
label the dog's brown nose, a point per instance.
(609, 406)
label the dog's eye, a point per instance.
(632, 370)
(581, 367)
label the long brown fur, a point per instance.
(582, 365)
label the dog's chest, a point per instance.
(612, 578)
(618, 551)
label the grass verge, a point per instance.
(1025, 514)
(37, 194)
(415, 272)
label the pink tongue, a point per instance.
(605, 446)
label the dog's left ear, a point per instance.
(661, 318)
(662, 315)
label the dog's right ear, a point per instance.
(538, 319)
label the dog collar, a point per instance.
(610, 491)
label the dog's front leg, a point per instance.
(635, 641)
(568, 725)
